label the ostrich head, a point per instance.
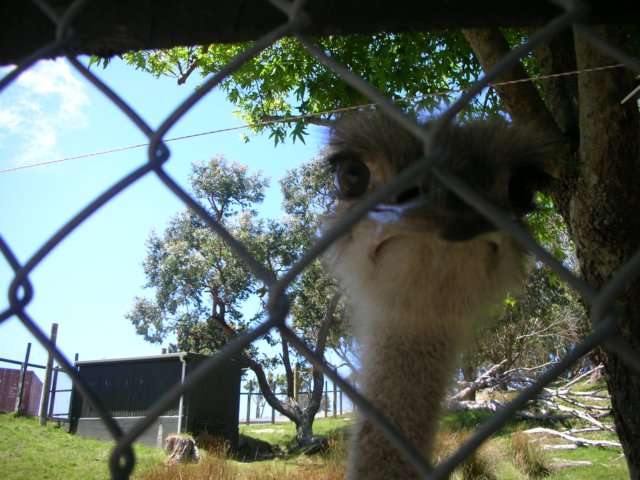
(422, 268)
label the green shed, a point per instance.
(129, 386)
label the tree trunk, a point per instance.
(603, 213)
(304, 429)
(303, 418)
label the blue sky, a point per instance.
(88, 283)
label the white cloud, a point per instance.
(42, 103)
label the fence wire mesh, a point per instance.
(604, 318)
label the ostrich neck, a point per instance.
(405, 374)
(412, 319)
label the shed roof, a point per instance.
(163, 356)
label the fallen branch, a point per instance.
(562, 446)
(582, 442)
(544, 416)
(582, 415)
(483, 381)
(453, 405)
(567, 464)
(585, 374)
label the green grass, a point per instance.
(30, 451)
(283, 434)
(49, 453)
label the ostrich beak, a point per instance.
(424, 215)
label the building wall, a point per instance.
(154, 436)
(214, 406)
(31, 395)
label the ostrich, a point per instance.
(421, 270)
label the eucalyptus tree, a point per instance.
(200, 287)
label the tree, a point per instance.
(597, 138)
(200, 285)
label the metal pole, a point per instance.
(74, 411)
(23, 372)
(181, 402)
(46, 387)
(334, 407)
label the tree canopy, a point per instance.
(283, 81)
(199, 284)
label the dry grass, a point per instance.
(210, 467)
(214, 464)
(329, 465)
(528, 457)
(481, 465)
(30, 451)
(301, 470)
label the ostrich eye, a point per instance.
(523, 185)
(351, 175)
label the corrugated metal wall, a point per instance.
(128, 387)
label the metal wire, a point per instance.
(122, 461)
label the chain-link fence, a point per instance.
(122, 460)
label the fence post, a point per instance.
(334, 407)
(47, 378)
(248, 420)
(74, 407)
(54, 386)
(296, 380)
(23, 373)
(326, 398)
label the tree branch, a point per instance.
(287, 410)
(479, 383)
(218, 317)
(558, 55)
(306, 118)
(521, 100)
(321, 342)
(286, 361)
(183, 78)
